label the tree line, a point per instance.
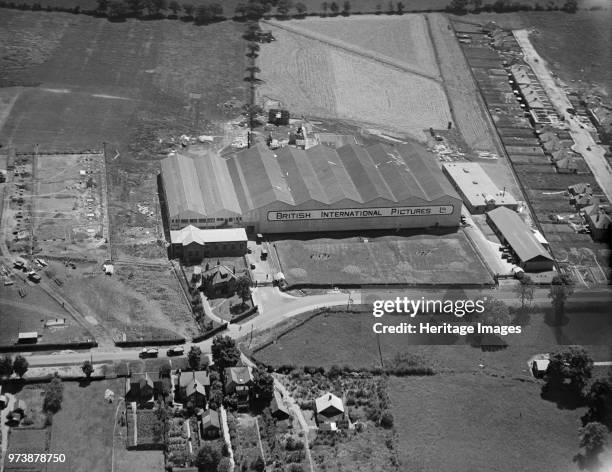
(462, 7)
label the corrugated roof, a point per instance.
(198, 185)
(190, 234)
(518, 234)
(257, 177)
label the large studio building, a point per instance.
(315, 190)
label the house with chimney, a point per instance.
(598, 217)
(239, 380)
(330, 412)
(193, 387)
(143, 389)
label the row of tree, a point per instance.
(461, 7)
(8, 366)
(568, 379)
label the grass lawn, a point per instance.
(26, 441)
(340, 338)
(83, 428)
(468, 422)
(412, 260)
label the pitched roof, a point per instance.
(197, 184)
(190, 234)
(518, 234)
(200, 376)
(328, 400)
(211, 419)
(238, 375)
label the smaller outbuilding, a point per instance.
(539, 367)
(513, 231)
(192, 244)
(210, 425)
(278, 408)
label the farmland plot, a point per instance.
(317, 78)
(398, 40)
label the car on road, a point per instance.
(149, 352)
(175, 351)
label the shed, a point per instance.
(539, 367)
(512, 230)
(210, 425)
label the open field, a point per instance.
(127, 84)
(468, 422)
(466, 104)
(399, 41)
(83, 428)
(418, 259)
(138, 301)
(346, 338)
(321, 77)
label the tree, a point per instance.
(203, 14)
(334, 8)
(20, 366)
(496, 313)
(174, 7)
(593, 438)
(283, 7)
(116, 9)
(156, 6)
(54, 395)
(400, 8)
(208, 458)
(255, 10)
(263, 385)
(6, 366)
(243, 289)
(559, 292)
(102, 6)
(224, 465)
(240, 10)
(386, 420)
(135, 6)
(188, 8)
(87, 369)
(525, 291)
(217, 10)
(458, 6)
(477, 4)
(599, 401)
(346, 8)
(570, 6)
(300, 8)
(258, 465)
(325, 7)
(570, 370)
(165, 371)
(193, 357)
(224, 352)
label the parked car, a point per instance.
(149, 352)
(33, 276)
(176, 351)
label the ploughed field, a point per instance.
(319, 67)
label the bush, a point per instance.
(386, 420)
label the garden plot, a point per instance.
(68, 205)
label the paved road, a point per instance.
(276, 307)
(585, 144)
